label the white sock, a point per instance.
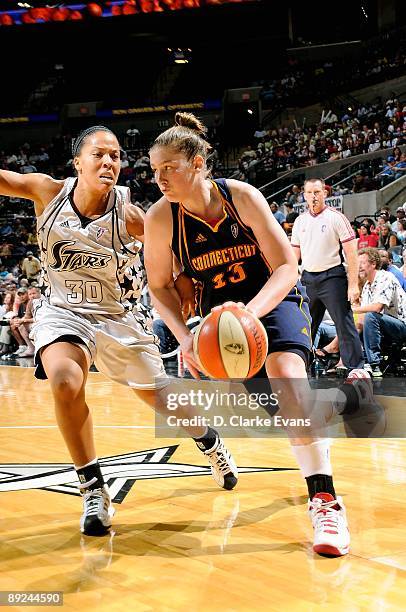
(314, 458)
(92, 462)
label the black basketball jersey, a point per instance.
(224, 259)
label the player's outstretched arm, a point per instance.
(40, 188)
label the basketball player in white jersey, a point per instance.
(89, 233)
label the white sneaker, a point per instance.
(27, 353)
(21, 349)
(222, 465)
(328, 516)
(97, 511)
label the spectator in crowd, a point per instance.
(279, 216)
(325, 334)
(388, 173)
(31, 267)
(26, 322)
(403, 266)
(6, 313)
(385, 212)
(366, 237)
(289, 221)
(132, 137)
(387, 265)
(383, 304)
(21, 304)
(401, 233)
(293, 197)
(387, 238)
(400, 167)
(400, 214)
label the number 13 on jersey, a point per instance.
(235, 274)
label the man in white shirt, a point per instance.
(319, 236)
(383, 303)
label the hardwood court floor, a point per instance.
(183, 543)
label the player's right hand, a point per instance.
(186, 346)
(186, 291)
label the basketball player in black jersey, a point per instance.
(226, 238)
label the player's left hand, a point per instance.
(228, 305)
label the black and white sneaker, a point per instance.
(222, 465)
(376, 371)
(97, 511)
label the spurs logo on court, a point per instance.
(120, 472)
(72, 259)
(234, 230)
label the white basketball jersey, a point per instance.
(90, 269)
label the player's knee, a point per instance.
(66, 386)
(293, 397)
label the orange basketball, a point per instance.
(230, 343)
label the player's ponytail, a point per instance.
(186, 136)
(189, 120)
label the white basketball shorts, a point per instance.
(121, 346)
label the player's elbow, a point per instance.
(158, 287)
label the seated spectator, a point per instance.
(32, 238)
(20, 307)
(403, 266)
(288, 223)
(371, 224)
(383, 304)
(387, 265)
(6, 313)
(363, 183)
(387, 238)
(388, 173)
(400, 214)
(325, 334)
(366, 238)
(400, 167)
(401, 233)
(387, 214)
(26, 322)
(292, 197)
(279, 216)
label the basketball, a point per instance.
(230, 343)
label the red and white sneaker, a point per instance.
(331, 535)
